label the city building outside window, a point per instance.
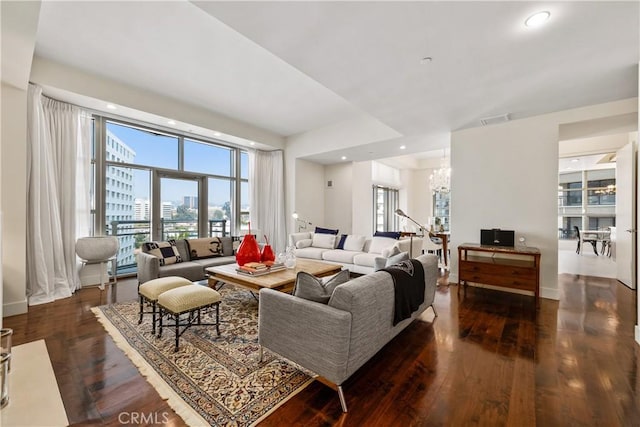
(587, 200)
(201, 187)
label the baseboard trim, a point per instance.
(550, 293)
(14, 308)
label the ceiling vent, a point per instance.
(494, 120)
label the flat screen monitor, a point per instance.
(497, 237)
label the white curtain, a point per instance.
(266, 196)
(57, 133)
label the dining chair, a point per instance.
(432, 245)
(605, 250)
(581, 240)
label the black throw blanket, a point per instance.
(408, 282)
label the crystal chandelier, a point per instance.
(440, 179)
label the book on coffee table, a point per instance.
(252, 271)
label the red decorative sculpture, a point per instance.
(267, 252)
(248, 251)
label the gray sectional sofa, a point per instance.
(149, 266)
(333, 340)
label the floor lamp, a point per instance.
(401, 213)
(301, 223)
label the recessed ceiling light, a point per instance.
(575, 160)
(217, 134)
(343, 158)
(402, 147)
(171, 122)
(537, 19)
(111, 107)
(252, 143)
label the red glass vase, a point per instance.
(248, 251)
(267, 254)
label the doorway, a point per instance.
(180, 214)
(596, 199)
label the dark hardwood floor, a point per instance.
(487, 359)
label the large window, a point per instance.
(385, 203)
(156, 185)
(207, 158)
(602, 191)
(441, 210)
(570, 189)
(128, 144)
(586, 199)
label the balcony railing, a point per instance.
(133, 233)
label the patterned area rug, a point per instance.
(211, 380)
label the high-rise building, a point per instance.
(190, 201)
(167, 210)
(141, 209)
(120, 196)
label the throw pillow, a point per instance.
(304, 243)
(295, 237)
(166, 252)
(325, 241)
(325, 231)
(391, 234)
(207, 247)
(381, 262)
(378, 244)
(343, 238)
(317, 289)
(354, 243)
(389, 252)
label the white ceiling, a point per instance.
(591, 162)
(291, 67)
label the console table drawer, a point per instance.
(496, 269)
(523, 283)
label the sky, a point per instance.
(162, 151)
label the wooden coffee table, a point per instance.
(282, 280)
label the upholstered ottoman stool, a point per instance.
(151, 290)
(188, 300)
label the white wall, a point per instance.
(14, 199)
(382, 174)
(419, 199)
(637, 328)
(338, 208)
(19, 28)
(309, 194)
(507, 175)
(337, 136)
(348, 205)
(361, 202)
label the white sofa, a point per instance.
(359, 253)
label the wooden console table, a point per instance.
(507, 272)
